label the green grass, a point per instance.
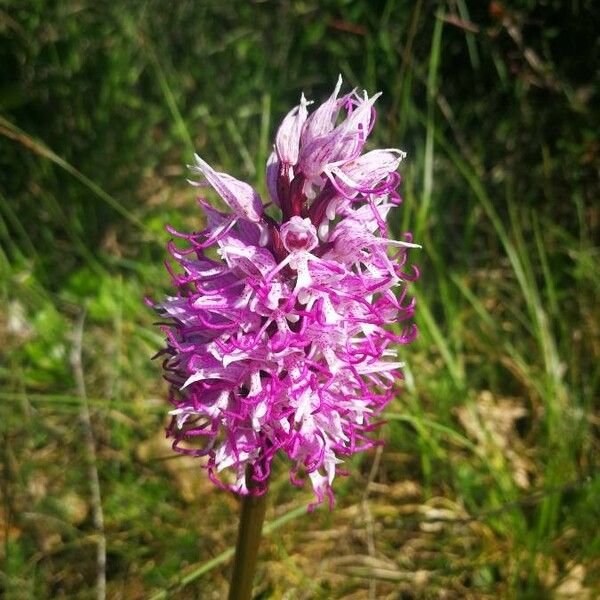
(488, 484)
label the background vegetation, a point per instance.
(488, 485)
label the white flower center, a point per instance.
(299, 235)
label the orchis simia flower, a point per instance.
(279, 337)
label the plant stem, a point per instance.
(246, 552)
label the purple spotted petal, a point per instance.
(238, 195)
(287, 140)
(341, 145)
(272, 173)
(322, 120)
(366, 173)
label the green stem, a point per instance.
(246, 552)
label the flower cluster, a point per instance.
(278, 338)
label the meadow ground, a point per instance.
(488, 484)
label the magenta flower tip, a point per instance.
(281, 342)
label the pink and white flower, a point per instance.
(282, 341)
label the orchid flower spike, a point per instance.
(281, 341)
